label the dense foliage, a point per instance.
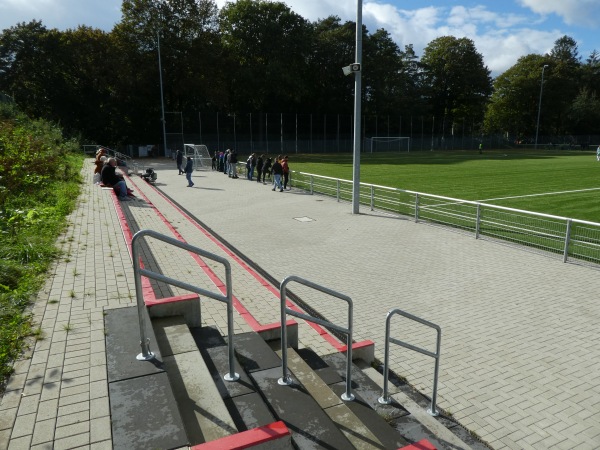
(258, 56)
(39, 174)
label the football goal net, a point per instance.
(200, 155)
(388, 144)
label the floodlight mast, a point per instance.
(357, 110)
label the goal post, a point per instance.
(200, 155)
(388, 144)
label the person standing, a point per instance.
(233, 164)
(189, 168)
(598, 153)
(179, 159)
(286, 172)
(259, 167)
(277, 173)
(250, 165)
(267, 170)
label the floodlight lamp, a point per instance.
(352, 68)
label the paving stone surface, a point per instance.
(520, 359)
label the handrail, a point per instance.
(385, 398)
(139, 272)
(286, 380)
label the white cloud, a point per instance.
(573, 12)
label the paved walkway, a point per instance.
(520, 366)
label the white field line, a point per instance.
(539, 195)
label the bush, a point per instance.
(39, 174)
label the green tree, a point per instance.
(332, 47)
(513, 105)
(267, 46)
(190, 55)
(456, 82)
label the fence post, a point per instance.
(567, 240)
(416, 207)
(372, 197)
(478, 221)
(338, 190)
(311, 185)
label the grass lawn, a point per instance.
(488, 177)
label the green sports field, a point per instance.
(562, 183)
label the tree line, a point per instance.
(257, 56)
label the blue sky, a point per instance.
(502, 30)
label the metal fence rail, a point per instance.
(571, 238)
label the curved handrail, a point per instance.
(285, 379)
(139, 272)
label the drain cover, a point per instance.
(304, 219)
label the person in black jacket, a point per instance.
(189, 168)
(277, 173)
(266, 170)
(180, 161)
(111, 179)
(259, 167)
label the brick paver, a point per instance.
(519, 361)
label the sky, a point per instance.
(502, 30)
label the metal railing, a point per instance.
(139, 272)
(285, 380)
(128, 161)
(385, 398)
(569, 238)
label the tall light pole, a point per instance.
(162, 101)
(357, 111)
(537, 128)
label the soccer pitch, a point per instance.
(561, 183)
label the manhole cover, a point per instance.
(304, 219)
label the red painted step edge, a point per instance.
(423, 444)
(247, 439)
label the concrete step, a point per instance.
(339, 411)
(143, 408)
(204, 413)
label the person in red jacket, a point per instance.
(286, 172)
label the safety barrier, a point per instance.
(285, 380)
(139, 272)
(570, 238)
(385, 398)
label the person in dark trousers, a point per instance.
(277, 173)
(111, 179)
(259, 167)
(286, 172)
(189, 168)
(266, 170)
(179, 159)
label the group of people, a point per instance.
(105, 173)
(277, 170)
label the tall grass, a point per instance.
(490, 177)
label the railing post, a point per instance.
(311, 185)
(416, 207)
(372, 197)
(285, 379)
(146, 354)
(385, 398)
(567, 240)
(338, 189)
(477, 220)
